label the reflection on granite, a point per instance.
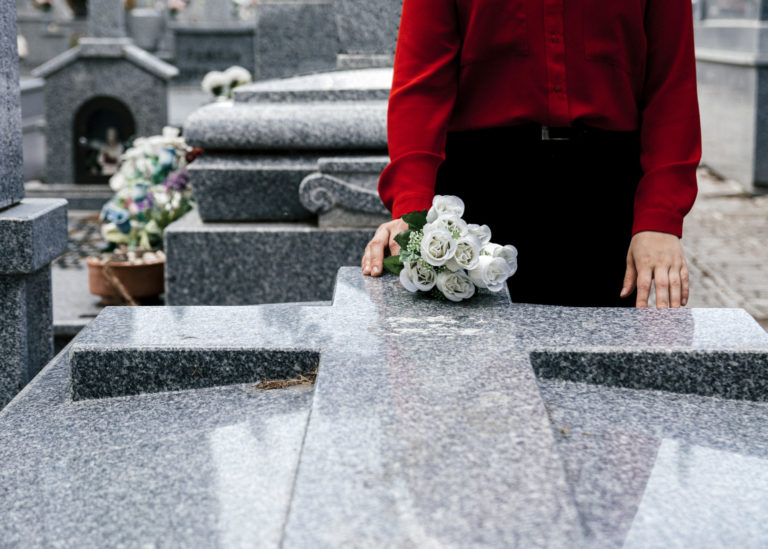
(427, 427)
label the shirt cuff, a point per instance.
(407, 184)
(659, 221)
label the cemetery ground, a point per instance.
(724, 240)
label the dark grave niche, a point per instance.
(103, 129)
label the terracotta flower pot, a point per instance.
(139, 280)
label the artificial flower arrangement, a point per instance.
(244, 8)
(220, 84)
(443, 254)
(151, 191)
(177, 6)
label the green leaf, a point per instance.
(416, 220)
(404, 238)
(393, 264)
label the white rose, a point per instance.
(482, 232)
(445, 204)
(437, 246)
(215, 82)
(455, 286)
(508, 253)
(490, 273)
(450, 222)
(467, 254)
(418, 276)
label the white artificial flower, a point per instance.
(215, 83)
(437, 246)
(467, 253)
(23, 46)
(508, 253)
(455, 286)
(169, 132)
(448, 221)
(445, 204)
(482, 232)
(490, 273)
(418, 276)
(237, 76)
(117, 181)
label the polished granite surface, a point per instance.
(428, 426)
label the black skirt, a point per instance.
(566, 205)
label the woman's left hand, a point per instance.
(659, 257)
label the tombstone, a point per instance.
(295, 38)
(209, 37)
(33, 233)
(367, 31)
(98, 95)
(731, 70)
(289, 179)
(482, 424)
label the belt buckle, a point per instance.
(545, 136)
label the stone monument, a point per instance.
(732, 72)
(286, 190)
(211, 38)
(429, 424)
(106, 86)
(367, 31)
(32, 232)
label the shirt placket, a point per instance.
(557, 96)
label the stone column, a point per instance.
(106, 19)
(32, 233)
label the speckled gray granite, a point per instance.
(106, 18)
(427, 427)
(11, 180)
(251, 263)
(26, 329)
(250, 188)
(100, 67)
(33, 233)
(368, 26)
(295, 37)
(350, 125)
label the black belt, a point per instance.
(543, 133)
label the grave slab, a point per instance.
(428, 426)
(11, 180)
(33, 234)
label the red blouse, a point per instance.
(612, 64)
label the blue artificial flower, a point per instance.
(119, 216)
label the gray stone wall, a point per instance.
(66, 91)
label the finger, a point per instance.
(366, 260)
(675, 287)
(661, 283)
(685, 285)
(394, 247)
(643, 287)
(376, 251)
(629, 278)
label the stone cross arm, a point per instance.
(483, 423)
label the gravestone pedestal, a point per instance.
(286, 190)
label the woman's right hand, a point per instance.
(384, 239)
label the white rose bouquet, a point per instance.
(441, 253)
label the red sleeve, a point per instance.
(670, 128)
(424, 85)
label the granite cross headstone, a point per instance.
(430, 425)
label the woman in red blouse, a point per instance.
(478, 87)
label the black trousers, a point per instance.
(567, 206)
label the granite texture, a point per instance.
(427, 427)
(329, 196)
(26, 329)
(368, 26)
(204, 48)
(106, 18)
(250, 263)
(294, 37)
(250, 188)
(351, 85)
(33, 233)
(11, 181)
(340, 125)
(70, 83)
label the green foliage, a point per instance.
(393, 264)
(404, 238)
(416, 220)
